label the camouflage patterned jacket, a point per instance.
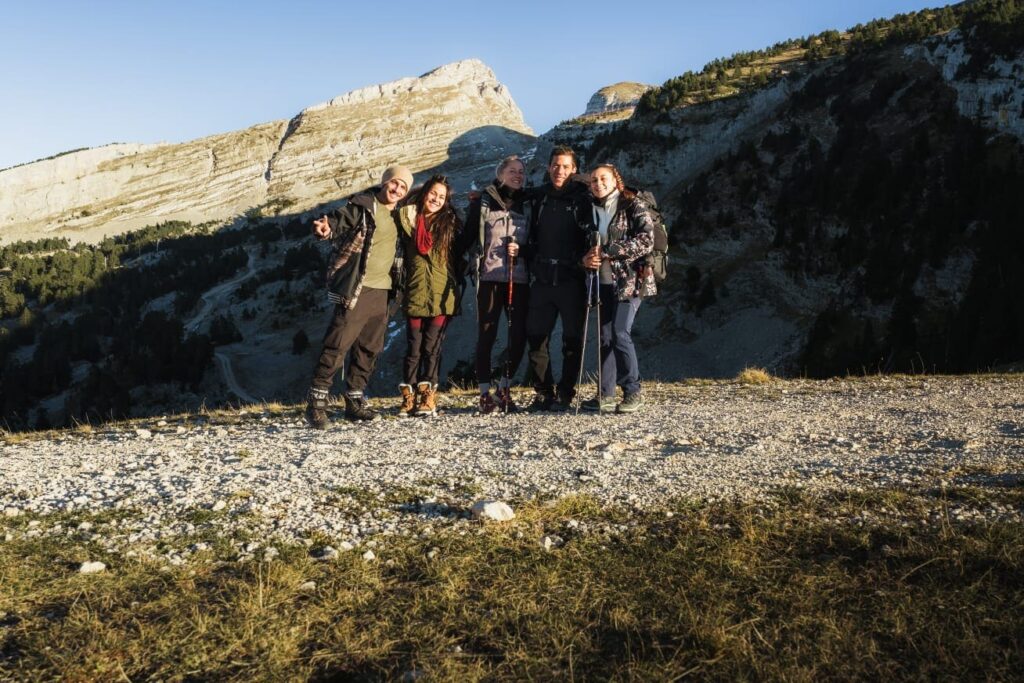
(630, 240)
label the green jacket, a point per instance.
(431, 287)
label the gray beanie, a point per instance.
(398, 173)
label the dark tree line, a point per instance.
(992, 28)
(906, 184)
(87, 305)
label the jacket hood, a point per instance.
(365, 198)
(495, 192)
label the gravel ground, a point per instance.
(267, 474)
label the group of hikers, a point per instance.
(536, 254)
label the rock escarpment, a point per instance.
(841, 218)
(457, 117)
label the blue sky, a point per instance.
(81, 74)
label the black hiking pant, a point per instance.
(360, 329)
(423, 352)
(566, 300)
(491, 300)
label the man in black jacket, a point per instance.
(365, 266)
(561, 219)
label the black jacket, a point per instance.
(560, 223)
(352, 229)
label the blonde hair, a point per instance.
(505, 164)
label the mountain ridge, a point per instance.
(317, 156)
(729, 174)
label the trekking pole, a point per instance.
(593, 239)
(508, 317)
(583, 347)
(597, 291)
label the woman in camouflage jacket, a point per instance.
(626, 230)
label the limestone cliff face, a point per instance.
(669, 151)
(993, 97)
(771, 268)
(457, 117)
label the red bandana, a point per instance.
(424, 240)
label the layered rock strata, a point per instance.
(458, 118)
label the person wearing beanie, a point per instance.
(363, 273)
(400, 173)
(499, 217)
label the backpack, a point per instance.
(658, 259)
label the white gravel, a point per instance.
(280, 482)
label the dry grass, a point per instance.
(725, 592)
(754, 376)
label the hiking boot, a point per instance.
(358, 408)
(602, 404)
(505, 402)
(541, 402)
(426, 400)
(562, 402)
(631, 403)
(316, 413)
(408, 401)
(487, 404)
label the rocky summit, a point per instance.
(458, 118)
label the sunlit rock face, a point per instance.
(457, 118)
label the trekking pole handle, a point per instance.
(593, 241)
(511, 268)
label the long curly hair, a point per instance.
(624, 191)
(445, 223)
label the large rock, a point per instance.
(620, 97)
(92, 568)
(458, 119)
(493, 510)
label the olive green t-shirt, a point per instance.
(382, 250)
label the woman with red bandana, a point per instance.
(430, 229)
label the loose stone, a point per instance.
(492, 510)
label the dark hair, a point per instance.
(563, 150)
(619, 183)
(445, 223)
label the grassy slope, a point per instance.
(851, 587)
